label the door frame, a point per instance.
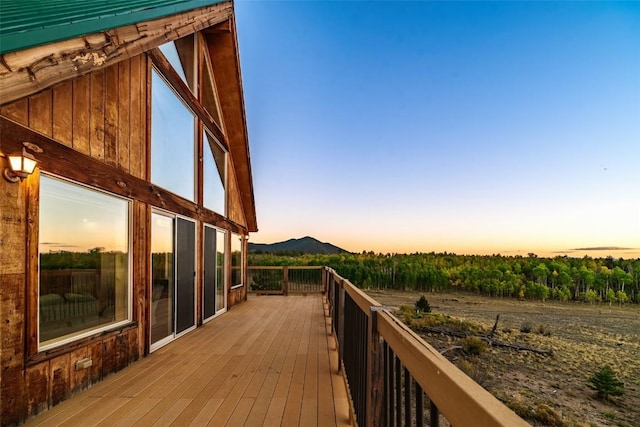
(169, 338)
(224, 271)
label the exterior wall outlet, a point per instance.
(83, 364)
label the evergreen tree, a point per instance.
(606, 383)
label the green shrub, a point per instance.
(526, 327)
(547, 416)
(606, 383)
(474, 346)
(423, 305)
(266, 281)
(543, 330)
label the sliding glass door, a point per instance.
(214, 296)
(173, 244)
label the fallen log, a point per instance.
(486, 338)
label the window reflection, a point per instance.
(221, 302)
(236, 260)
(172, 140)
(161, 277)
(214, 174)
(84, 260)
(181, 55)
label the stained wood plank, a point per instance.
(124, 109)
(249, 366)
(138, 131)
(97, 113)
(111, 116)
(18, 111)
(81, 113)
(41, 112)
(63, 113)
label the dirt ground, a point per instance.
(584, 338)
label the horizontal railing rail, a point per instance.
(285, 280)
(394, 377)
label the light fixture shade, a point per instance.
(21, 166)
(28, 164)
(15, 161)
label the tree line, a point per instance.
(562, 278)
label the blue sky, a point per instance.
(468, 127)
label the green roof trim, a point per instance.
(30, 23)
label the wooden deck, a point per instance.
(270, 361)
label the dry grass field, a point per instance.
(546, 390)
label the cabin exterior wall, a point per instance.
(93, 129)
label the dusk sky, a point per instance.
(467, 127)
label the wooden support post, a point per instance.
(285, 285)
(375, 371)
(340, 325)
(324, 281)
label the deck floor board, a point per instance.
(270, 361)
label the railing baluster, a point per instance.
(434, 415)
(390, 384)
(407, 397)
(419, 406)
(398, 392)
(385, 384)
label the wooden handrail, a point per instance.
(364, 301)
(462, 401)
(280, 267)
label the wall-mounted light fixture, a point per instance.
(20, 166)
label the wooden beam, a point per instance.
(31, 70)
(223, 27)
(66, 162)
(223, 51)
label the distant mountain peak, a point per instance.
(306, 245)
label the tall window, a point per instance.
(236, 260)
(214, 174)
(173, 155)
(84, 261)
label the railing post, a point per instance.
(340, 325)
(375, 371)
(324, 281)
(285, 283)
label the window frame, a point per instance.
(225, 173)
(97, 330)
(233, 235)
(196, 129)
(225, 278)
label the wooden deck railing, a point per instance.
(394, 377)
(285, 280)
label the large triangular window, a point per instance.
(181, 55)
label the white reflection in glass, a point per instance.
(181, 54)
(172, 141)
(161, 277)
(236, 259)
(171, 53)
(214, 173)
(220, 283)
(84, 260)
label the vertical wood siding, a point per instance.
(101, 114)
